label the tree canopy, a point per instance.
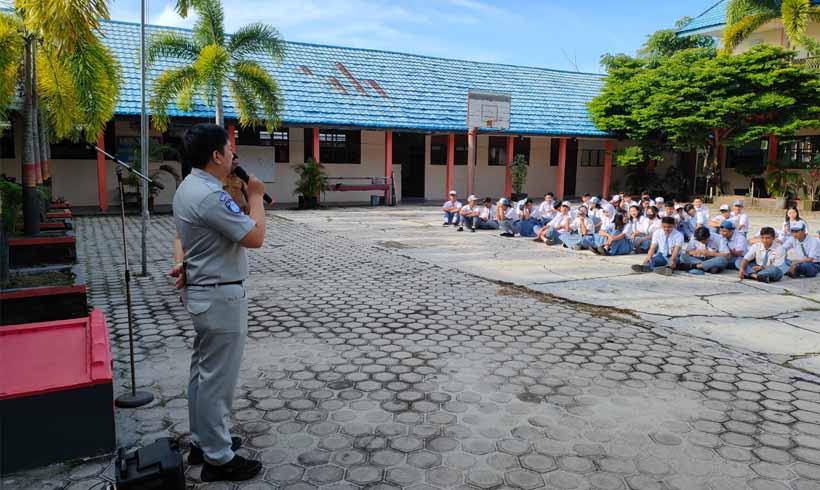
(744, 17)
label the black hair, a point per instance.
(767, 230)
(550, 194)
(668, 220)
(528, 201)
(586, 194)
(618, 221)
(688, 207)
(795, 210)
(201, 141)
(488, 199)
(556, 205)
(702, 233)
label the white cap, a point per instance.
(566, 203)
(616, 198)
(472, 198)
(453, 193)
(659, 199)
(724, 207)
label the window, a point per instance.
(335, 145)
(497, 154)
(438, 149)
(278, 139)
(69, 150)
(801, 151)
(751, 156)
(6, 142)
(592, 158)
(555, 146)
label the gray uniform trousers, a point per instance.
(220, 317)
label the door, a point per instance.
(571, 170)
(408, 151)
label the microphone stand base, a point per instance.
(134, 400)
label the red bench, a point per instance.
(368, 184)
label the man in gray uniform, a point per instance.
(214, 234)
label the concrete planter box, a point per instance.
(43, 294)
(47, 248)
(59, 214)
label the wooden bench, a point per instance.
(367, 184)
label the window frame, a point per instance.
(349, 153)
(799, 152)
(459, 154)
(600, 154)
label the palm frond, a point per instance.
(739, 31)
(212, 69)
(64, 24)
(737, 10)
(257, 39)
(245, 104)
(264, 91)
(96, 77)
(210, 26)
(171, 45)
(796, 16)
(167, 87)
(58, 97)
(11, 53)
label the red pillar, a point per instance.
(316, 145)
(772, 158)
(102, 190)
(607, 180)
(232, 137)
(388, 162)
(508, 168)
(471, 138)
(562, 167)
(451, 158)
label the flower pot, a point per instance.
(517, 196)
(808, 205)
(43, 294)
(308, 202)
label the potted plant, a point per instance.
(518, 172)
(156, 153)
(811, 185)
(781, 182)
(312, 180)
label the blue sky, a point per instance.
(561, 34)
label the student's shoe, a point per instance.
(715, 270)
(595, 250)
(536, 239)
(664, 271)
(507, 235)
(792, 275)
(237, 469)
(196, 457)
(696, 272)
(472, 230)
(641, 268)
(577, 246)
(460, 228)
(765, 279)
(602, 250)
(446, 224)
(684, 267)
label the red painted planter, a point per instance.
(59, 248)
(41, 300)
(62, 214)
(57, 382)
(59, 205)
(53, 225)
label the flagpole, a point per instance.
(144, 149)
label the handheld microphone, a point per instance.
(240, 172)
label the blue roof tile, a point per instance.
(423, 93)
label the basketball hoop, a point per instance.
(488, 110)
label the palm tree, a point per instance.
(213, 60)
(743, 17)
(69, 79)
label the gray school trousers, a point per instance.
(220, 316)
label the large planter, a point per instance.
(517, 196)
(308, 202)
(771, 202)
(809, 206)
(44, 249)
(43, 294)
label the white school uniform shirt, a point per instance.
(609, 207)
(545, 211)
(810, 247)
(649, 226)
(450, 205)
(511, 213)
(737, 242)
(606, 222)
(469, 209)
(774, 256)
(576, 224)
(713, 244)
(666, 243)
(703, 212)
(741, 221)
(559, 220)
(487, 214)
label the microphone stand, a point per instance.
(135, 398)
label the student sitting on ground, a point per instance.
(638, 230)
(487, 216)
(507, 217)
(704, 246)
(669, 210)
(804, 253)
(659, 204)
(734, 242)
(595, 212)
(546, 210)
(792, 218)
(550, 234)
(469, 214)
(648, 224)
(765, 261)
(451, 210)
(663, 253)
(740, 218)
(690, 223)
(581, 227)
(527, 219)
(612, 239)
(701, 209)
(723, 215)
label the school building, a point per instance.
(365, 114)
(797, 151)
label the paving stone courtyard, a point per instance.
(367, 368)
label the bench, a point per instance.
(368, 184)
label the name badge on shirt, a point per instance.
(232, 206)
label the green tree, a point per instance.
(666, 42)
(744, 17)
(211, 60)
(69, 81)
(695, 99)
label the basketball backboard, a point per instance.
(488, 110)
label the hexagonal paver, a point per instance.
(323, 428)
(284, 473)
(442, 444)
(387, 457)
(478, 446)
(538, 462)
(502, 461)
(314, 457)
(364, 475)
(406, 444)
(403, 475)
(335, 442)
(349, 457)
(325, 474)
(576, 464)
(424, 459)
(525, 479)
(444, 476)
(484, 479)
(516, 447)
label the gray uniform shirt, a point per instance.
(210, 225)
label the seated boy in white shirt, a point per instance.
(704, 246)
(765, 261)
(663, 253)
(469, 215)
(486, 216)
(550, 234)
(740, 218)
(804, 252)
(451, 210)
(737, 248)
(507, 217)
(581, 227)
(546, 210)
(723, 215)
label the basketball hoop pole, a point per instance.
(471, 153)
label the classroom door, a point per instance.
(571, 169)
(408, 151)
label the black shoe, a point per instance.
(641, 268)
(715, 270)
(472, 230)
(508, 235)
(596, 250)
(446, 224)
(196, 457)
(237, 469)
(765, 279)
(536, 239)
(664, 271)
(460, 228)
